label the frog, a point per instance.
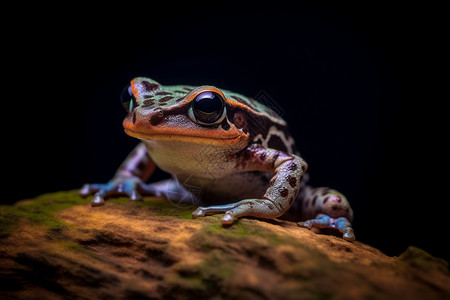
(237, 153)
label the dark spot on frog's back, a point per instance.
(148, 102)
(165, 99)
(162, 93)
(150, 86)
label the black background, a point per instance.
(359, 84)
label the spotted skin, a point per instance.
(325, 208)
(313, 201)
(278, 197)
(247, 154)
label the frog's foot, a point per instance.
(132, 187)
(203, 211)
(260, 208)
(323, 221)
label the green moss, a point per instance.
(158, 205)
(72, 246)
(241, 229)
(207, 277)
(39, 210)
(7, 220)
(167, 209)
(193, 282)
(218, 265)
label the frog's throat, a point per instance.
(216, 140)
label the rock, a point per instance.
(57, 246)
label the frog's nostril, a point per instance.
(156, 118)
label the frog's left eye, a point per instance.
(127, 98)
(208, 108)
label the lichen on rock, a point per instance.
(58, 246)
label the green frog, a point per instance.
(227, 153)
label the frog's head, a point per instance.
(201, 115)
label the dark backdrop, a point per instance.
(356, 83)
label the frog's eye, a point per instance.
(208, 108)
(127, 98)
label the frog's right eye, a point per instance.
(127, 98)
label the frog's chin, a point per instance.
(193, 139)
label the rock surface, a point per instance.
(57, 246)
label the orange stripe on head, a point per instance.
(208, 88)
(201, 89)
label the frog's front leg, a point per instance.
(128, 180)
(280, 194)
(326, 208)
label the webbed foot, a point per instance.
(323, 221)
(260, 208)
(130, 186)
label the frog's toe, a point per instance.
(227, 219)
(349, 235)
(84, 191)
(135, 196)
(89, 189)
(199, 212)
(305, 224)
(97, 201)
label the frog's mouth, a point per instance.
(173, 135)
(188, 133)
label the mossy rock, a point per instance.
(58, 246)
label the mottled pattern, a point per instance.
(324, 200)
(280, 193)
(150, 93)
(262, 124)
(248, 142)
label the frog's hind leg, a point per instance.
(325, 208)
(323, 221)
